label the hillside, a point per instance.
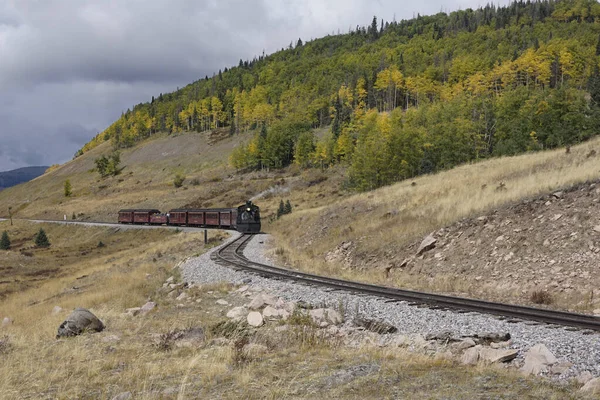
(20, 175)
(400, 98)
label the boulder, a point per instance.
(255, 319)
(427, 244)
(471, 356)
(270, 312)
(146, 308)
(237, 313)
(497, 355)
(592, 387)
(465, 344)
(262, 300)
(538, 359)
(78, 322)
(182, 296)
(325, 316)
(222, 302)
(584, 377)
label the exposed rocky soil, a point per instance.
(550, 243)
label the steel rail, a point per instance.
(232, 254)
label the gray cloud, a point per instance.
(68, 68)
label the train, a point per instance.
(245, 218)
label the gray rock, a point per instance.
(325, 316)
(427, 244)
(497, 355)
(592, 387)
(271, 312)
(122, 396)
(222, 302)
(538, 359)
(78, 322)
(237, 313)
(471, 356)
(465, 344)
(584, 377)
(255, 319)
(443, 336)
(182, 296)
(149, 306)
(262, 300)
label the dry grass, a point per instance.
(380, 221)
(144, 355)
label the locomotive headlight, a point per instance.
(247, 209)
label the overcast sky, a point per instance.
(68, 68)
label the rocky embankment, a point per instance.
(468, 338)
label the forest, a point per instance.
(399, 98)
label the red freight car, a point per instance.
(126, 216)
(177, 217)
(195, 217)
(159, 219)
(143, 216)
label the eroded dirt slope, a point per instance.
(550, 243)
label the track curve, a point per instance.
(231, 255)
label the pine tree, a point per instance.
(68, 188)
(41, 240)
(594, 85)
(4, 241)
(287, 209)
(281, 209)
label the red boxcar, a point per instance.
(126, 216)
(158, 219)
(178, 217)
(143, 216)
(195, 217)
(211, 218)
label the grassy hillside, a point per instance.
(402, 98)
(147, 176)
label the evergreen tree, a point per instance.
(281, 209)
(4, 241)
(287, 209)
(41, 240)
(598, 47)
(594, 85)
(299, 43)
(68, 188)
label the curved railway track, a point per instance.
(232, 255)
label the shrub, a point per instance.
(178, 181)
(101, 244)
(41, 240)
(68, 191)
(4, 241)
(541, 297)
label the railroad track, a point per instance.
(232, 255)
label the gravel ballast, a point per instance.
(583, 350)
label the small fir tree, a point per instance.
(41, 240)
(281, 209)
(287, 209)
(4, 241)
(68, 191)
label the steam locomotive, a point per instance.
(245, 218)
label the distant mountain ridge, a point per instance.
(20, 175)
